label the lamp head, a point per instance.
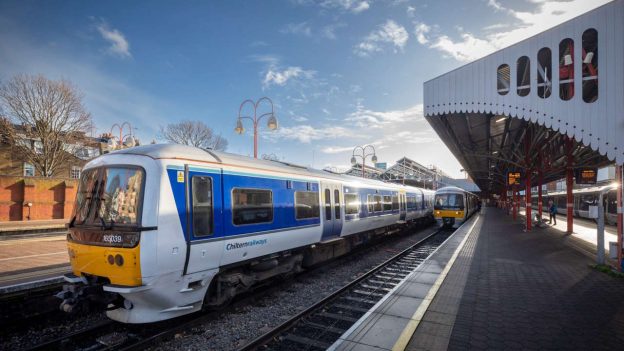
(353, 160)
(272, 123)
(111, 144)
(374, 159)
(129, 142)
(239, 127)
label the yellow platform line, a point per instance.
(411, 326)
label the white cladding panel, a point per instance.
(600, 125)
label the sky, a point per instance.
(340, 73)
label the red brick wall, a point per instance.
(51, 198)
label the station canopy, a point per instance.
(534, 106)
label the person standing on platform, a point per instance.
(552, 210)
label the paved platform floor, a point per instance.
(510, 290)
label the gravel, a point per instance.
(236, 328)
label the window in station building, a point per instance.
(544, 73)
(502, 81)
(251, 206)
(523, 76)
(74, 173)
(566, 69)
(590, 65)
(29, 170)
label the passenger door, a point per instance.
(402, 207)
(332, 210)
(204, 219)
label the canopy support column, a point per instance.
(620, 234)
(527, 191)
(514, 202)
(569, 186)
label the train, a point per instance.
(453, 206)
(160, 231)
(583, 198)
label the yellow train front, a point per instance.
(453, 206)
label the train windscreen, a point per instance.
(109, 196)
(449, 202)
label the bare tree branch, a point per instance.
(193, 133)
(52, 118)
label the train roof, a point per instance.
(190, 153)
(448, 189)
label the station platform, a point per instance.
(32, 262)
(39, 227)
(494, 286)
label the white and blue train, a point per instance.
(160, 231)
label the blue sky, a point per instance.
(340, 72)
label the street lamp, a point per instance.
(127, 140)
(363, 155)
(271, 123)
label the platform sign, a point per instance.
(514, 178)
(586, 175)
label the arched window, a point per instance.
(590, 65)
(523, 76)
(544, 73)
(502, 82)
(566, 69)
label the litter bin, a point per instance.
(613, 247)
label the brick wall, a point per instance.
(51, 198)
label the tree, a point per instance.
(193, 133)
(43, 119)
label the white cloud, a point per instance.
(298, 29)
(375, 119)
(354, 6)
(421, 30)
(388, 33)
(276, 77)
(411, 11)
(546, 15)
(118, 43)
(336, 149)
(329, 31)
(307, 133)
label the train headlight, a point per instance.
(111, 259)
(456, 212)
(119, 260)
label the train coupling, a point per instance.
(85, 294)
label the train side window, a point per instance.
(252, 206)
(387, 203)
(378, 205)
(337, 204)
(502, 80)
(590, 65)
(371, 203)
(202, 206)
(544, 73)
(328, 216)
(612, 203)
(306, 205)
(395, 203)
(566, 69)
(411, 203)
(352, 204)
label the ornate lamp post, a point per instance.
(363, 155)
(271, 123)
(123, 140)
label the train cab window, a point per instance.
(502, 81)
(590, 65)
(352, 204)
(395, 203)
(337, 204)
(449, 201)
(306, 205)
(328, 205)
(566, 69)
(523, 76)
(252, 206)
(544, 73)
(202, 205)
(387, 203)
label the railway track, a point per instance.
(320, 325)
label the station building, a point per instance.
(546, 108)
